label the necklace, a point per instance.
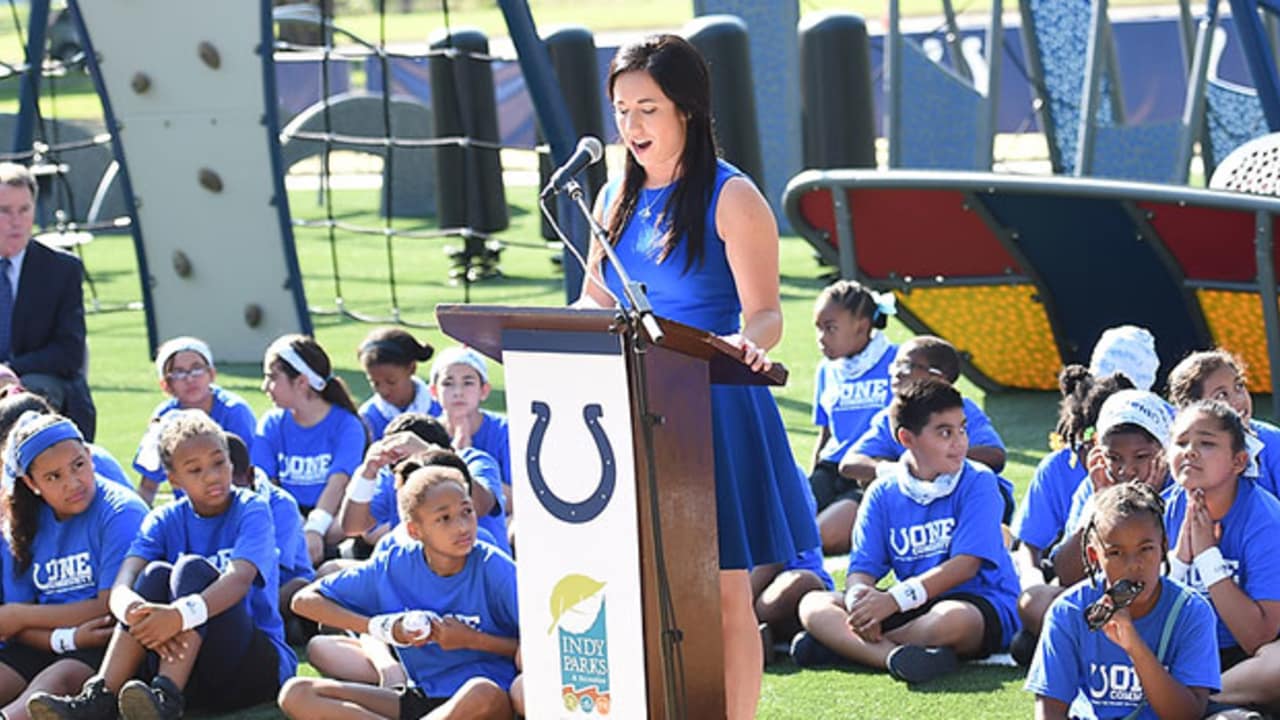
(647, 211)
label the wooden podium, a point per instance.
(613, 481)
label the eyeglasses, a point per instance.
(192, 374)
(898, 366)
(1119, 595)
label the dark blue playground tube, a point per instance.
(553, 117)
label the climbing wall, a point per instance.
(189, 90)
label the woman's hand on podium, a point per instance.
(752, 354)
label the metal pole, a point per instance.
(29, 96)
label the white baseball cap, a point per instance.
(1126, 349)
(459, 355)
(1136, 407)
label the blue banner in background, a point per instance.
(1152, 77)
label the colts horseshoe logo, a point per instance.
(570, 512)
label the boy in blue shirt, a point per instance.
(933, 518)
(922, 358)
(1155, 658)
(446, 602)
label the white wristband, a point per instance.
(193, 609)
(851, 593)
(1178, 570)
(318, 521)
(1211, 567)
(909, 594)
(63, 640)
(382, 629)
(362, 489)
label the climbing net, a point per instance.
(72, 161)
(461, 152)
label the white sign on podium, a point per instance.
(573, 479)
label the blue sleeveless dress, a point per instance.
(762, 513)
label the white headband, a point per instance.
(286, 353)
(185, 343)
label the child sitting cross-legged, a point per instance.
(445, 601)
(933, 518)
(195, 597)
(1147, 655)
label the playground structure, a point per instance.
(211, 116)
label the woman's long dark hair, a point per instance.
(683, 75)
(335, 390)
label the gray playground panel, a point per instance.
(357, 115)
(84, 171)
(775, 68)
(195, 119)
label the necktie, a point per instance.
(6, 309)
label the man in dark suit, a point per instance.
(42, 333)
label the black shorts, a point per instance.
(992, 632)
(29, 662)
(1229, 657)
(829, 485)
(414, 703)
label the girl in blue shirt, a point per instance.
(196, 596)
(1042, 515)
(1220, 375)
(68, 532)
(313, 440)
(460, 382)
(1227, 547)
(390, 358)
(933, 518)
(1156, 658)
(187, 375)
(446, 602)
(852, 383)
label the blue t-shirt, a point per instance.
(894, 532)
(301, 459)
(1250, 543)
(880, 442)
(1269, 458)
(482, 595)
(846, 405)
(229, 410)
(1042, 515)
(492, 438)
(78, 558)
(243, 532)
(484, 469)
(811, 560)
(378, 413)
(1071, 659)
(295, 561)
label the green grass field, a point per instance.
(125, 389)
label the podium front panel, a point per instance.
(577, 535)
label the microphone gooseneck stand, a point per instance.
(642, 330)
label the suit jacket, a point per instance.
(47, 334)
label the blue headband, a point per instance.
(19, 458)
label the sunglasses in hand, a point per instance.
(1117, 597)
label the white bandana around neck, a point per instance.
(852, 368)
(1254, 447)
(421, 402)
(921, 491)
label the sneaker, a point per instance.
(161, 700)
(915, 664)
(808, 652)
(1023, 648)
(94, 702)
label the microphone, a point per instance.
(588, 152)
